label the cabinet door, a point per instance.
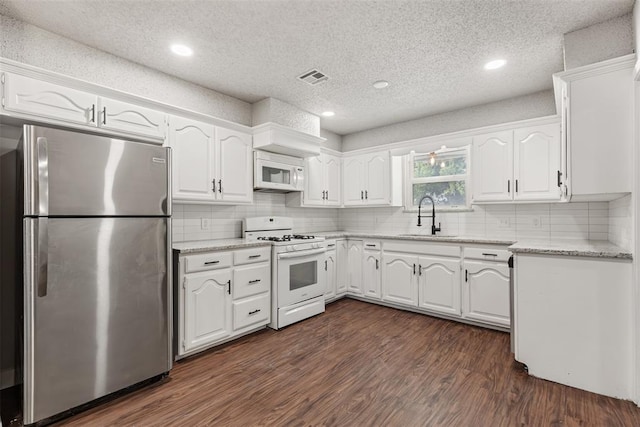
(193, 154)
(207, 308)
(332, 178)
(377, 174)
(124, 117)
(342, 267)
(314, 188)
(537, 163)
(399, 278)
(439, 284)
(486, 292)
(355, 266)
(48, 100)
(371, 274)
(235, 166)
(493, 167)
(353, 181)
(332, 274)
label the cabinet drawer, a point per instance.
(370, 245)
(487, 254)
(247, 256)
(251, 311)
(208, 261)
(251, 280)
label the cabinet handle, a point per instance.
(366, 194)
(254, 311)
(213, 183)
(322, 194)
(327, 192)
(325, 265)
(254, 256)
(516, 185)
(104, 115)
(211, 262)
(254, 281)
(559, 179)
(509, 186)
(93, 113)
(414, 269)
(420, 270)
(371, 245)
(466, 275)
(331, 245)
(229, 283)
(361, 195)
(377, 265)
(488, 254)
(219, 186)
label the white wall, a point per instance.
(599, 42)
(636, 32)
(276, 111)
(524, 107)
(621, 222)
(556, 221)
(226, 221)
(333, 140)
(28, 44)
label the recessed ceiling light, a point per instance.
(380, 84)
(493, 65)
(182, 50)
(328, 114)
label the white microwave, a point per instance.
(277, 172)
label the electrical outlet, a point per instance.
(205, 223)
(536, 222)
(504, 223)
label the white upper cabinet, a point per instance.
(523, 164)
(210, 164)
(193, 151)
(51, 102)
(492, 166)
(47, 100)
(235, 166)
(597, 106)
(130, 118)
(322, 181)
(537, 152)
(372, 180)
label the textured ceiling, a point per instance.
(431, 52)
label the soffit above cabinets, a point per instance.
(280, 139)
(432, 53)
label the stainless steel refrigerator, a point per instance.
(96, 266)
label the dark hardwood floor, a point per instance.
(360, 365)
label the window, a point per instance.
(442, 174)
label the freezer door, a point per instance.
(77, 174)
(97, 309)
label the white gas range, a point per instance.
(298, 269)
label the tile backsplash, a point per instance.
(588, 220)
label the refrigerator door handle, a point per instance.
(42, 228)
(43, 176)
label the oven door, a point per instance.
(278, 176)
(301, 276)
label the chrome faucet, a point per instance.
(434, 229)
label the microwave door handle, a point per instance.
(295, 177)
(301, 254)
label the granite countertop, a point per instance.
(216, 245)
(415, 237)
(585, 248)
(566, 247)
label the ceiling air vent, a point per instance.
(313, 77)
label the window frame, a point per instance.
(409, 180)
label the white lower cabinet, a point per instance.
(222, 294)
(206, 307)
(330, 266)
(486, 292)
(342, 266)
(354, 268)
(439, 284)
(399, 278)
(371, 273)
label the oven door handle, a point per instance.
(301, 254)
